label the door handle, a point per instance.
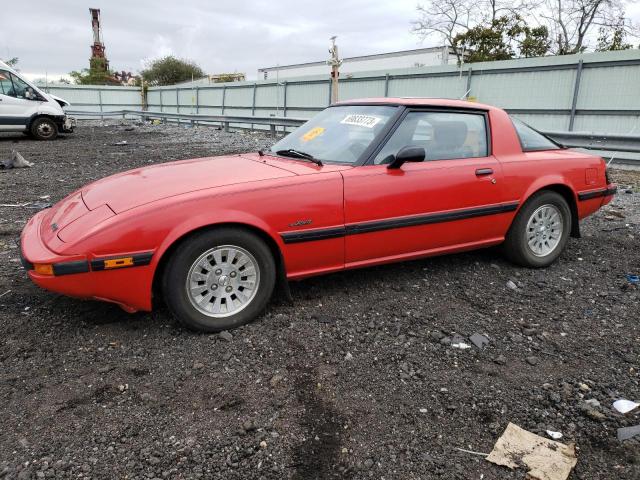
(484, 171)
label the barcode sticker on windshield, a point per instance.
(361, 120)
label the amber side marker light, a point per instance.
(43, 268)
(118, 262)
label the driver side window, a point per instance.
(20, 88)
(5, 82)
(443, 135)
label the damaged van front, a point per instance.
(25, 108)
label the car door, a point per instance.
(452, 200)
(15, 108)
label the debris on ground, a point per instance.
(627, 433)
(634, 279)
(15, 161)
(119, 144)
(625, 406)
(554, 435)
(479, 340)
(287, 372)
(545, 459)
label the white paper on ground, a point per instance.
(625, 406)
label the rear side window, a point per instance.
(531, 140)
(444, 136)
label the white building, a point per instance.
(420, 57)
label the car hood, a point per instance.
(148, 184)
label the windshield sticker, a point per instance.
(361, 120)
(313, 133)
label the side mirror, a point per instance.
(407, 154)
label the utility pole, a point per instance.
(335, 62)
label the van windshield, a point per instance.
(338, 134)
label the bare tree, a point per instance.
(446, 19)
(572, 21)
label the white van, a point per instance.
(26, 108)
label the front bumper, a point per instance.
(68, 124)
(85, 276)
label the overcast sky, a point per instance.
(221, 36)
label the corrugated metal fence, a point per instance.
(598, 92)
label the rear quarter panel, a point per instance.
(527, 172)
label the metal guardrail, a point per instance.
(606, 142)
(590, 141)
(224, 120)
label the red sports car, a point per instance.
(364, 182)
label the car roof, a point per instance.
(419, 101)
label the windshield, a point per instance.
(338, 134)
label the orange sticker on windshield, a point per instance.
(313, 133)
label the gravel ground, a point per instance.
(354, 380)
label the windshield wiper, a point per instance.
(291, 152)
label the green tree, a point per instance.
(12, 62)
(96, 74)
(171, 70)
(503, 38)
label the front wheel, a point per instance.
(540, 231)
(44, 129)
(219, 279)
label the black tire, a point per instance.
(44, 128)
(516, 245)
(174, 282)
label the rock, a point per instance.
(348, 356)
(248, 426)
(479, 340)
(224, 335)
(592, 402)
(628, 432)
(148, 398)
(532, 361)
(592, 413)
(198, 366)
(511, 285)
(584, 387)
(368, 463)
(275, 380)
(500, 360)
(436, 335)
(263, 444)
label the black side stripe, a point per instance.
(308, 236)
(68, 268)
(139, 259)
(603, 192)
(378, 225)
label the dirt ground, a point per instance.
(353, 380)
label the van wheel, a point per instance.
(540, 232)
(219, 279)
(44, 129)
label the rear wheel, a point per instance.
(540, 232)
(219, 279)
(44, 129)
